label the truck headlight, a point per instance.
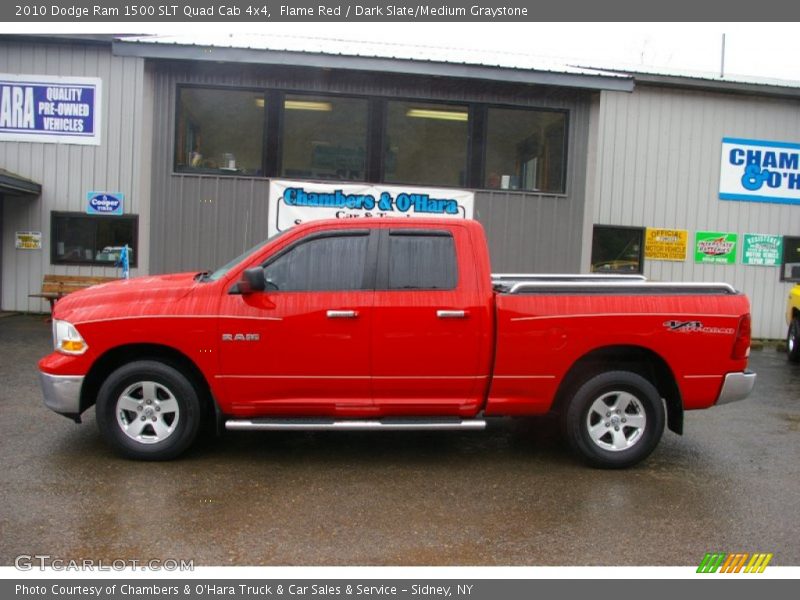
(66, 338)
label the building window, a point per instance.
(617, 249)
(324, 137)
(790, 270)
(79, 239)
(220, 131)
(426, 143)
(525, 150)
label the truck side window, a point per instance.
(321, 264)
(422, 261)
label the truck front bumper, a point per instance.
(62, 393)
(737, 386)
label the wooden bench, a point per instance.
(58, 286)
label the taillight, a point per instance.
(741, 346)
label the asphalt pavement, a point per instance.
(510, 495)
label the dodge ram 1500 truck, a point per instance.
(393, 324)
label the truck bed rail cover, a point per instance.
(619, 288)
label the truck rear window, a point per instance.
(422, 261)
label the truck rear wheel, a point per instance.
(148, 410)
(615, 419)
(792, 341)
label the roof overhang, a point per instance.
(12, 184)
(589, 80)
(731, 84)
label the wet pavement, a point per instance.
(510, 495)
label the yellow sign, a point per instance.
(28, 240)
(666, 244)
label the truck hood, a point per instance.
(140, 296)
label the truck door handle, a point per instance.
(342, 314)
(451, 314)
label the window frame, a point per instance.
(370, 262)
(384, 133)
(564, 154)
(265, 146)
(55, 215)
(640, 230)
(786, 245)
(281, 95)
(377, 124)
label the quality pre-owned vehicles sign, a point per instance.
(294, 202)
(45, 108)
(760, 171)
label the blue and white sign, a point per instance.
(294, 202)
(45, 108)
(104, 203)
(760, 171)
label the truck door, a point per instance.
(430, 328)
(303, 346)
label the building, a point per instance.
(190, 151)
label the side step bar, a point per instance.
(355, 424)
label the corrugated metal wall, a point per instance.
(68, 172)
(219, 217)
(658, 164)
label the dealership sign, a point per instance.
(44, 108)
(295, 202)
(714, 247)
(104, 203)
(760, 171)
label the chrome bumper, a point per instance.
(62, 393)
(737, 386)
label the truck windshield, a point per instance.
(223, 270)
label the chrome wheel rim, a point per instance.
(792, 338)
(147, 412)
(616, 421)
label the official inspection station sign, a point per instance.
(665, 244)
(294, 202)
(45, 108)
(760, 171)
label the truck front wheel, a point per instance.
(615, 419)
(148, 410)
(792, 341)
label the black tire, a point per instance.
(148, 410)
(609, 439)
(793, 341)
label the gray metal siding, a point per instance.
(68, 172)
(658, 164)
(219, 217)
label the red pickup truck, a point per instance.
(393, 324)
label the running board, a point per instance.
(421, 424)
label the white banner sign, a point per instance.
(760, 171)
(45, 108)
(294, 202)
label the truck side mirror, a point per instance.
(253, 280)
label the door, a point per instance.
(303, 346)
(430, 328)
